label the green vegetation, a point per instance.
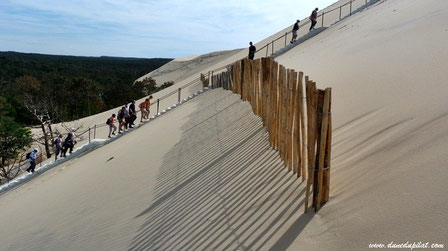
(14, 139)
(64, 88)
(40, 90)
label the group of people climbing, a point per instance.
(295, 30)
(127, 115)
(126, 118)
(61, 147)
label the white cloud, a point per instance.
(155, 28)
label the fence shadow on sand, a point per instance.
(222, 186)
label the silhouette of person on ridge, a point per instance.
(252, 51)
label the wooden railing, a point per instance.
(333, 15)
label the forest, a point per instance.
(37, 89)
(74, 87)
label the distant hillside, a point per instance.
(15, 64)
(71, 87)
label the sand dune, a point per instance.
(390, 143)
(182, 68)
(203, 176)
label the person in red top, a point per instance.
(112, 127)
(143, 110)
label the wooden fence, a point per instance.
(298, 123)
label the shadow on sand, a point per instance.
(222, 186)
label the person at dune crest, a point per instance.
(252, 51)
(313, 18)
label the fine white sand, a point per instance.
(387, 66)
(182, 68)
(204, 177)
(200, 177)
(185, 58)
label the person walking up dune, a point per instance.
(121, 121)
(252, 51)
(127, 117)
(69, 142)
(143, 110)
(58, 145)
(313, 18)
(148, 106)
(32, 159)
(132, 114)
(295, 29)
(112, 127)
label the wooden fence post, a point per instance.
(303, 140)
(327, 161)
(293, 117)
(276, 94)
(275, 103)
(311, 118)
(287, 128)
(322, 144)
(281, 86)
(265, 83)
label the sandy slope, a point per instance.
(203, 176)
(182, 68)
(387, 66)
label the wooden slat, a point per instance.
(295, 128)
(285, 117)
(319, 111)
(292, 99)
(302, 135)
(322, 146)
(311, 109)
(258, 90)
(274, 107)
(289, 121)
(267, 99)
(281, 79)
(327, 165)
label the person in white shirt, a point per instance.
(32, 159)
(58, 145)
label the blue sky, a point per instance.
(143, 28)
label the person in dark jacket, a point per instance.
(69, 142)
(132, 114)
(295, 29)
(252, 51)
(313, 18)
